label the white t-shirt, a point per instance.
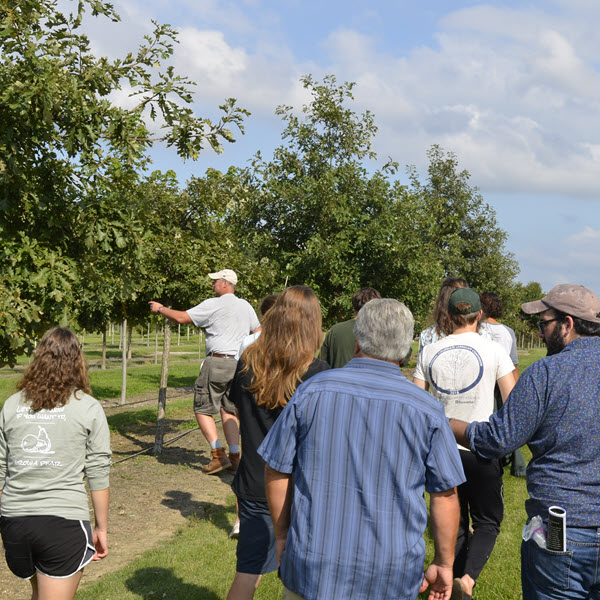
(226, 320)
(247, 341)
(461, 371)
(505, 336)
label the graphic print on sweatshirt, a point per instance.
(37, 444)
(455, 370)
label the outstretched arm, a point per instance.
(444, 510)
(177, 316)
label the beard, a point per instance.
(555, 342)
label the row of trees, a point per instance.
(89, 236)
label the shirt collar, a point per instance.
(373, 363)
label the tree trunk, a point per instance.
(162, 392)
(129, 336)
(148, 338)
(124, 355)
(103, 365)
(156, 344)
(179, 334)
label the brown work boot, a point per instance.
(218, 463)
(234, 459)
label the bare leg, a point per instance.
(243, 587)
(230, 428)
(208, 427)
(48, 588)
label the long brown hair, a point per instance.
(291, 335)
(441, 317)
(58, 370)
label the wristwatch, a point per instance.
(160, 308)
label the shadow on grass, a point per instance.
(206, 511)
(154, 583)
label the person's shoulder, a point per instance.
(318, 366)
(13, 400)
(205, 304)
(83, 401)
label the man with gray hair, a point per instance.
(347, 463)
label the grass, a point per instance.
(198, 563)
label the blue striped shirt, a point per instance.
(362, 443)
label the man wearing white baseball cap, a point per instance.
(226, 320)
(554, 408)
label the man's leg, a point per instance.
(231, 428)
(462, 539)
(486, 505)
(208, 428)
(204, 408)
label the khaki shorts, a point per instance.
(211, 390)
(289, 595)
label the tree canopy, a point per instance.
(66, 146)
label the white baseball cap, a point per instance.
(226, 274)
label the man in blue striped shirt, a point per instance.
(347, 463)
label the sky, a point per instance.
(512, 88)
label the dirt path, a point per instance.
(151, 497)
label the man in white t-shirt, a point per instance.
(226, 321)
(461, 371)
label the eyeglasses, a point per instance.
(542, 324)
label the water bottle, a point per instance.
(534, 529)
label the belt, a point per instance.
(219, 355)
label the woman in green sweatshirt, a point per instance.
(52, 435)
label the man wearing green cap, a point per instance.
(461, 370)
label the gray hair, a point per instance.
(384, 329)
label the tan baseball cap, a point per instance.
(572, 299)
(226, 274)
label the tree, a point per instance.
(61, 137)
(461, 226)
(315, 214)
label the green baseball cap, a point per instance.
(464, 296)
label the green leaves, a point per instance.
(69, 157)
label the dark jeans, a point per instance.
(480, 498)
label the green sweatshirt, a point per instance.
(45, 455)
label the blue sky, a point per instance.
(513, 88)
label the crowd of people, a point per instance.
(337, 451)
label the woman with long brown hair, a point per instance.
(267, 375)
(52, 434)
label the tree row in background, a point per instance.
(89, 235)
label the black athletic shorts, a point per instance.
(54, 546)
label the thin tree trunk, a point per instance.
(179, 334)
(188, 333)
(121, 336)
(129, 335)
(162, 392)
(103, 365)
(156, 344)
(83, 339)
(148, 338)
(124, 355)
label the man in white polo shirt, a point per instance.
(226, 320)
